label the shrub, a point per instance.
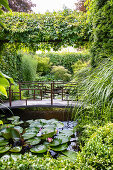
(43, 65)
(60, 73)
(66, 59)
(28, 67)
(98, 151)
(79, 65)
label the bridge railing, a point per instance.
(41, 89)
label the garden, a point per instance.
(84, 140)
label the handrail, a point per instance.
(41, 86)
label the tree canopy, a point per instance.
(20, 5)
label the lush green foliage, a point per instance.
(98, 151)
(40, 136)
(10, 61)
(55, 29)
(43, 65)
(66, 59)
(29, 162)
(60, 73)
(28, 67)
(4, 83)
(79, 65)
(96, 154)
(100, 17)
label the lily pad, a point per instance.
(15, 122)
(59, 125)
(43, 121)
(52, 121)
(15, 134)
(32, 130)
(3, 142)
(60, 147)
(64, 138)
(36, 124)
(67, 132)
(6, 133)
(34, 141)
(18, 128)
(56, 142)
(48, 132)
(28, 135)
(39, 149)
(14, 118)
(30, 121)
(4, 149)
(16, 149)
(46, 143)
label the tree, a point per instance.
(20, 5)
(80, 5)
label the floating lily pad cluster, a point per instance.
(39, 137)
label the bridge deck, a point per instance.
(40, 103)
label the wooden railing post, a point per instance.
(20, 90)
(10, 95)
(34, 94)
(53, 90)
(51, 93)
(41, 94)
(62, 93)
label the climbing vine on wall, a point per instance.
(100, 17)
(40, 31)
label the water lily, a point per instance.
(49, 139)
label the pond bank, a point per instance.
(61, 114)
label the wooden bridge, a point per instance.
(41, 94)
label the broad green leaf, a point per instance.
(67, 132)
(64, 138)
(7, 77)
(4, 82)
(3, 142)
(55, 142)
(32, 130)
(59, 125)
(28, 135)
(39, 149)
(15, 134)
(6, 133)
(3, 91)
(14, 118)
(4, 149)
(34, 141)
(1, 122)
(60, 147)
(48, 132)
(16, 149)
(15, 122)
(18, 128)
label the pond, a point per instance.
(38, 136)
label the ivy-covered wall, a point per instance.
(100, 17)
